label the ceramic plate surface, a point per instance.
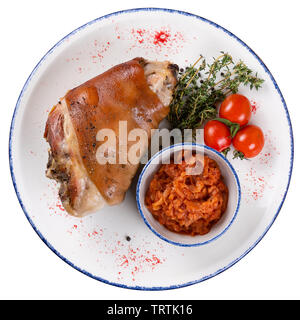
(115, 245)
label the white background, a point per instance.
(28, 269)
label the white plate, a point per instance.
(96, 245)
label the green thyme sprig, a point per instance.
(201, 86)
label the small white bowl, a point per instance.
(230, 177)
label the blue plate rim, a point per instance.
(236, 180)
(174, 11)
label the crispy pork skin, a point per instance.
(137, 92)
(77, 192)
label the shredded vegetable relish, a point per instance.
(184, 203)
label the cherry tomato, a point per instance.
(217, 135)
(249, 140)
(236, 108)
